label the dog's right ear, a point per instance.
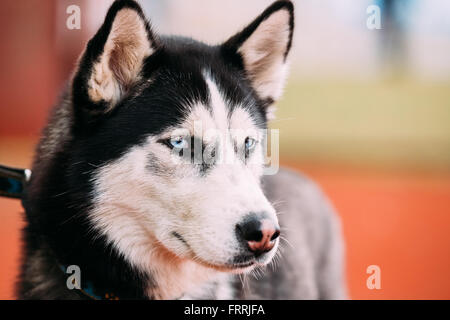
(113, 59)
(261, 50)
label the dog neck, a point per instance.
(172, 277)
(167, 277)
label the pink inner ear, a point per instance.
(130, 46)
(119, 66)
(264, 54)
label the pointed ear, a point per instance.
(262, 48)
(113, 59)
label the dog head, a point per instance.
(172, 131)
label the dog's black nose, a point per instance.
(260, 234)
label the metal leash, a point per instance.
(12, 181)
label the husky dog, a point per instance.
(114, 196)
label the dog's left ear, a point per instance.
(262, 48)
(113, 60)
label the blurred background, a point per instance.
(366, 113)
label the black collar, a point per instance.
(12, 185)
(87, 289)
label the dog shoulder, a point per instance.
(57, 130)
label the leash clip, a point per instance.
(12, 181)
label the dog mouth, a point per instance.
(239, 264)
(243, 263)
(231, 267)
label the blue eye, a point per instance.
(250, 143)
(178, 142)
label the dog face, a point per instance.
(172, 130)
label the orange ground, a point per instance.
(397, 221)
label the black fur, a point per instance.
(59, 194)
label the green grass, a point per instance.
(393, 123)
